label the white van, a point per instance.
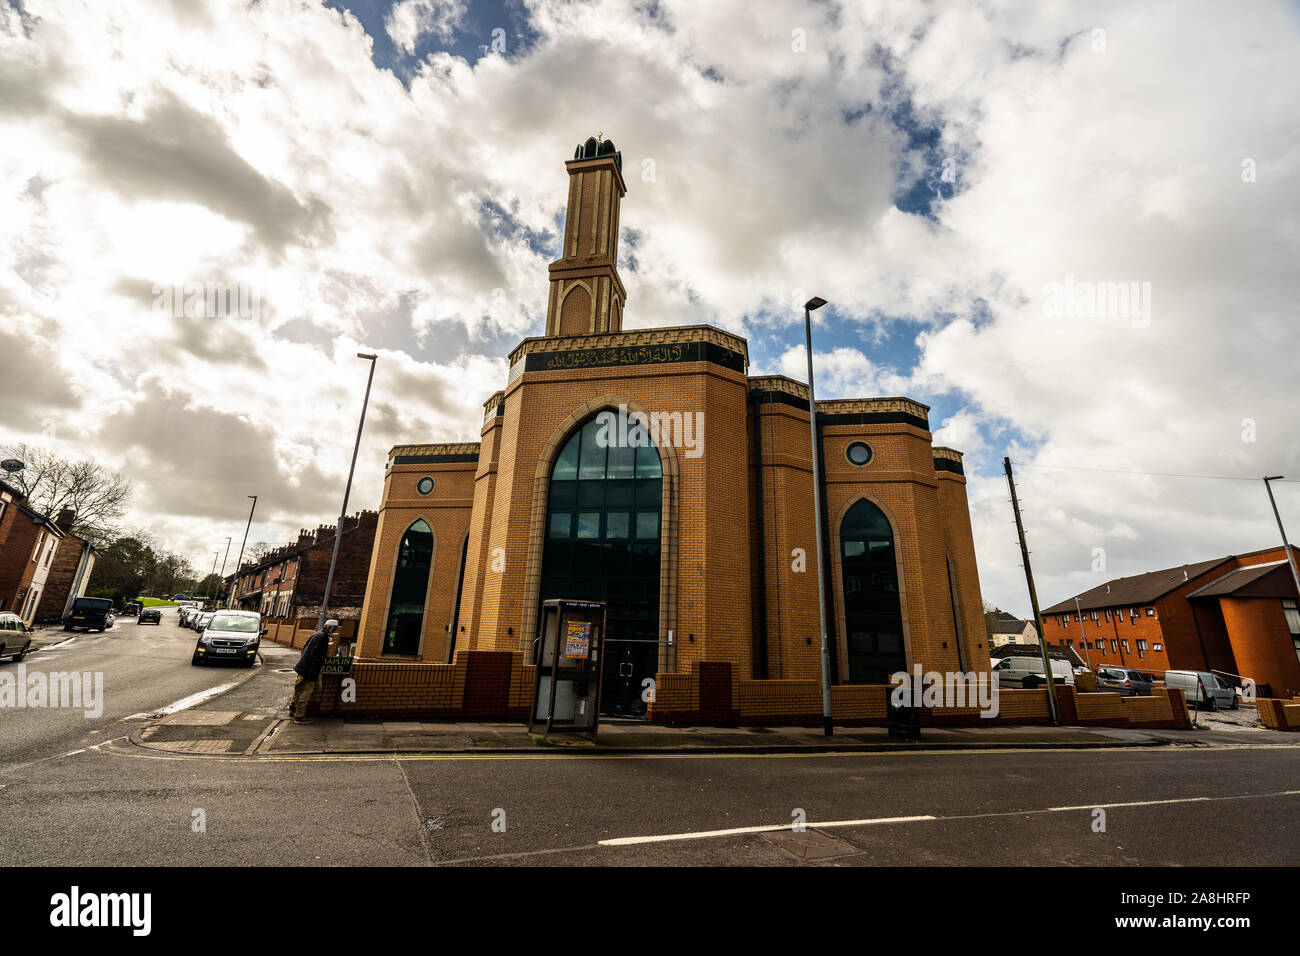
(1027, 672)
(1203, 690)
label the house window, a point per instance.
(1108, 617)
(1114, 645)
(1151, 612)
(1142, 648)
(1124, 644)
(1157, 647)
(1292, 612)
(40, 539)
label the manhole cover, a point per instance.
(808, 844)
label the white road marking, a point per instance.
(707, 834)
(876, 821)
(185, 702)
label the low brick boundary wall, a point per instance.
(700, 696)
(478, 685)
(1278, 714)
(497, 685)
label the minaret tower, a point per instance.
(586, 293)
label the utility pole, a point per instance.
(1290, 555)
(212, 588)
(338, 531)
(222, 575)
(1033, 596)
(239, 559)
(1082, 632)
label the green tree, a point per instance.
(122, 568)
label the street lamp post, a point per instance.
(231, 599)
(338, 530)
(1290, 555)
(828, 726)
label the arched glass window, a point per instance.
(602, 544)
(873, 616)
(410, 585)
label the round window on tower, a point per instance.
(858, 453)
(424, 485)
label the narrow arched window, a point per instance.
(410, 585)
(873, 616)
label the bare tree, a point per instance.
(51, 483)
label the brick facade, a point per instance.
(737, 551)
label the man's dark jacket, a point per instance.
(313, 655)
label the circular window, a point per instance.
(859, 453)
(424, 485)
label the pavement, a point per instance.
(252, 720)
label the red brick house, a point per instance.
(290, 581)
(29, 542)
(1237, 615)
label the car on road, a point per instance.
(91, 614)
(201, 620)
(15, 636)
(189, 613)
(150, 615)
(230, 636)
(1123, 681)
(132, 608)
(1202, 689)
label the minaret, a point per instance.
(586, 293)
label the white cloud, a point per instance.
(169, 143)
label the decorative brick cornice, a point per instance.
(941, 451)
(779, 383)
(636, 338)
(494, 405)
(869, 406)
(449, 450)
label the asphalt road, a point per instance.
(73, 792)
(143, 668)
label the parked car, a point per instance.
(15, 636)
(1123, 681)
(1027, 672)
(1202, 689)
(189, 612)
(201, 619)
(91, 614)
(229, 636)
(132, 608)
(150, 615)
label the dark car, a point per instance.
(92, 614)
(150, 615)
(132, 608)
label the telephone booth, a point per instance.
(569, 647)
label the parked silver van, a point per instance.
(1203, 689)
(1027, 672)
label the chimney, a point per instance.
(66, 518)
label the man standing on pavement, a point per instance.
(308, 669)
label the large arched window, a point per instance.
(410, 585)
(873, 617)
(602, 544)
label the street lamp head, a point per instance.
(1274, 477)
(816, 302)
(367, 356)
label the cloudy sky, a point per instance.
(966, 183)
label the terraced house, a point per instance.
(649, 470)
